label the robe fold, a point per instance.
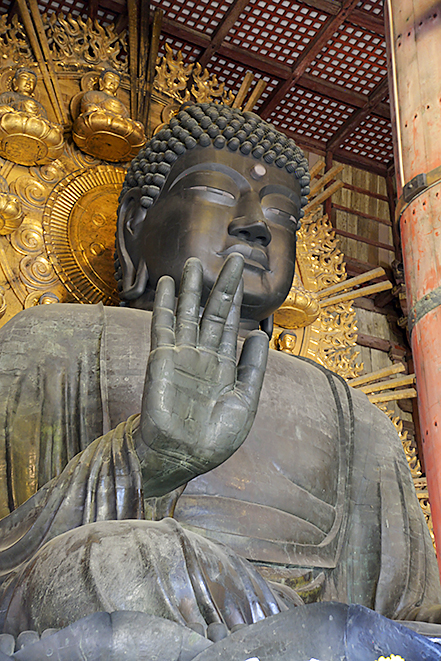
(319, 497)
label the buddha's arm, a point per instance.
(198, 406)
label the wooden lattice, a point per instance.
(372, 138)
(268, 38)
(280, 30)
(202, 16)
(189, 51)
(310, 114)
(232, 75)
(353, 58)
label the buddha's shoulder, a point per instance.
(68, 317)
(283, 366)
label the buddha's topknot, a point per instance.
(207, 124)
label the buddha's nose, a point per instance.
(249, 223)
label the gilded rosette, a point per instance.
(28, 139)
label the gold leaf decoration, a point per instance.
(37, 272)
(79, 221)
(330, 336)
(3, 304)
(419, 481)
(14, 44)
(32, 193)
(338, 340)
(76, 41)
(28, 239)
(317, 238)
(172, 76)
(207, 88)
(11, 213)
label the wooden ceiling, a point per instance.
(324, 63)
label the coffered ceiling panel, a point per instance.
(323, 61)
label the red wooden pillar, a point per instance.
(413, 28)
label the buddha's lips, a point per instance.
(255, 256)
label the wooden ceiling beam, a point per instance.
(116, 7)
(376, 96)
(367, 21)
(268, 66)
(329, 6)
(92, 10)
(307, 57)
(360, 162)
(223, 28)
(341, 155)
(339, 93)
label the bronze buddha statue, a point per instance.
(316, 503)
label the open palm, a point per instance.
(198, 405)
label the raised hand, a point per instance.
(198, 406)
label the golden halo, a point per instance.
(79, 224)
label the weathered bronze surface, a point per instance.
(319, 497)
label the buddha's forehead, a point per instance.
(244, 172)
(25, 74)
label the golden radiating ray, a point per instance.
(330, 174)
(352, 282)
(384, 285)
(388, 385)
(244, 88)
(377, 375)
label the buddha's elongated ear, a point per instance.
(267, 325)
(134, 276)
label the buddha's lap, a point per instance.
(153, 567)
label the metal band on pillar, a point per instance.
(422, 307)
(415, 187)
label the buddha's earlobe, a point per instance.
(137, 288)
(134, 272)
(267, 326)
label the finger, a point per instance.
(228, 345)
(219, 302)
(163, 320)
(251, 369)
(189, 302)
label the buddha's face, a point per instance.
(110, 82)
(24, 83)
(216, 202)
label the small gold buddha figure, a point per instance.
(27, 137)
(103, 127)
(11, 212)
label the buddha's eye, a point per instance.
(215, 194)
(280, 216)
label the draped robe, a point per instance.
(319, 497)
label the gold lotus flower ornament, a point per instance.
(27, 137)
(300, 308)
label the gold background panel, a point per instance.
(79, 225)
